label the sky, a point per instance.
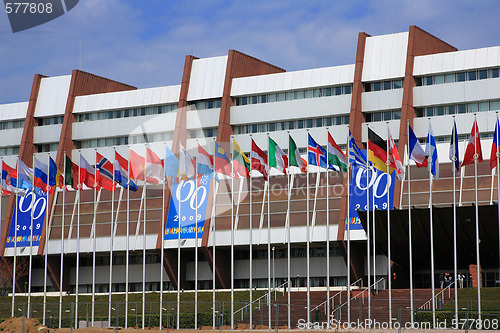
(144, 42)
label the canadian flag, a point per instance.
(473, 147)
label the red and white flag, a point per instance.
(87, 173)
(154, 168)
(259, 160)
(473, 147)
(395, 159)
(137, 166)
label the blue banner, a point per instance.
(377, 189)
(193, 199)
(26, 206)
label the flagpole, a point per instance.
(368, 255)
(348, 282)
(179, 254)
(127, 247)
(196, 246)
(409, 221)
(111, 245)
(250, 247)
(307, 238)
(162, 254)
(389, 230)
(431, 225)
(15, 241)
(214, 189)
(327, 229)
(31, 238)
(94, 225)
(46, 249)
(77, 238)
(478, 268)
(61, 273)
(268, 240)
(232, 232)
(287, 218)
(453, 169)
(498, 188)
(144, 249)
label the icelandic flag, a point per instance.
(494, 148)
(355, 155)
(316, 154)
(205, 164)
(121, 173)
(415, 150)
(171, 164)
(432, 154)
(455, 165)
(104, 173)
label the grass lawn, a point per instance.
(467, 298)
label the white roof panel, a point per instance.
(207, 78)
(13, 111)
(52, 96)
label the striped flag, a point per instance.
(377, 151)
(121, 173)
(259, 160)
(294, 158)
(277, 157)
(494, 148)
(241, 163)
(336, 157)
(415, 150)
(394, 158)
(354, 154)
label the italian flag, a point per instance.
(241, 163)
(294, 156)
(277, 157)
(336, 157)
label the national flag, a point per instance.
(54, 173)
(171, 164)
(294, 158)
(431, 154)
(453, 154)
(205, 164)
(222, 162)
(186, 164)
(494, 148)
(104, 173)
(71, 174)
(377, 151)
(121, 173)
(87, 173)
(415, 150)
(24, 176)
(154, 168)
(137, 166)
(394, 158)
(277, 157)
(40, 179)
(316, 155)
(241, 163)
(258, 160)
(336, 157)
(354, 154)
(9, 179)
(473, 147)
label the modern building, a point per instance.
(409, 76)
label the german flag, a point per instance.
(377, 151)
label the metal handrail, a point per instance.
(427, 305)
(258, 299)
(333, 297)
(354, 297)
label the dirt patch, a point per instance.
(16, 325)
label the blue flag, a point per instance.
(431, 154)
(171, 164)
(355, 155)
(316, 154)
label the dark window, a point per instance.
(368, 87)
(483, 74)
(472, 76)
(291, 125)
(396, 115)
(328, 121)
(439, 110)
(327, 91)
(319, 122)
(338, 90)
(309, 123)
(300, 123)
(429, 112)
(347, 89)
(253, 100)
(450, 109)
(460, 77)
(271, 127)
(263, 98)
(377, 86)
(494, 73)
(217, 103)
(428, 80)
(210, 104)
(377, 116)
(387, 115)
(387, 85)
(244, 101)
(142, 111)
(461, 108)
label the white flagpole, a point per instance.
(144, 251)
(409, 221)
(179, 254)
(77, 240)
(289, 285)
(162, 248)
(389, 230)
(268, 239)
(455, 220)
(31, 240)
(250, 246)
(15, 241)
(328, 229)
(61, 273)
(111, 245)
(348, 282)
(196, 246)
(478, 268)
(46, 249)
(214, 211)
(431, 162)
(368, 223)
(308, 260)
(232, 233)
(127, 247)
(94, 226)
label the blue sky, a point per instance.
(144, 42)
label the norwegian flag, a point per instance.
(104, 173)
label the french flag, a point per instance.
(104, 173)
(415, 150)
(121, 173)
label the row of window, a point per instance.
(50, 121)
(209, 104)
(383, 116)
(6, 151)
(103, 142)
(203, 133)
(442, 110)
(384, 85)
(4, 125)
(136, 112)
(291, 124)
(291, 95)
(457, 77)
